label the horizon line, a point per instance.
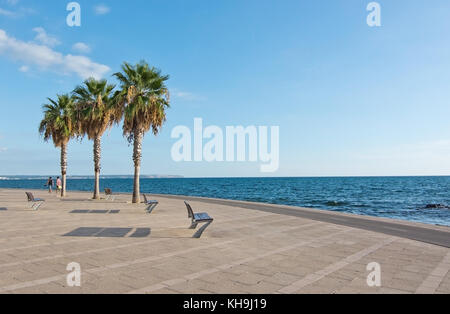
(157, 176)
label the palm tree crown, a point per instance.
(144, 96)
(96, 107)
(59, 120)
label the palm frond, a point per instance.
(59, 119)
(98, 110)
(144, 96)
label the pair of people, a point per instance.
(50, 184)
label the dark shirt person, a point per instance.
(50, 184)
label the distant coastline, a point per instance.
(88, 177)
(163, 176)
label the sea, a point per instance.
(405, 198)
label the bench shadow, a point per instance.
(172, 233)
(102, 201)
(87, 211)
(100, 232)
(3, 208)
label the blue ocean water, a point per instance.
(392, 197)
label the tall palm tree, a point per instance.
(144, 97)
(59, 124)
(98, 113)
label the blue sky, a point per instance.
(350, 100)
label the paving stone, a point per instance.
(258, 252)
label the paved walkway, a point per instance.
(415, 231)
(122, 250)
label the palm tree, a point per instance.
(98, 113)
(144, 97)
(59, 124)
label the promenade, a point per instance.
(250, 248)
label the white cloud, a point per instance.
(84, 67)
(7, 13)
(44, 38)
(24, 68)
(101, 9)
(188, 96)
(17, 12)
(81, 48)
(3, 149)
(45, 58)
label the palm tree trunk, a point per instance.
(137, 155)
(97, 156)
(63, 168)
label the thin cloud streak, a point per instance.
(81, 47)
(44, 38)
(7, 13)
(101, 9)
(188, 96)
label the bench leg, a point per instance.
(200, 231)
(193, 225)
(151, 208)
(37, 205)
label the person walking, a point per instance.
(58, 185)
(50, 184)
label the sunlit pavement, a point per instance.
(121, 249)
